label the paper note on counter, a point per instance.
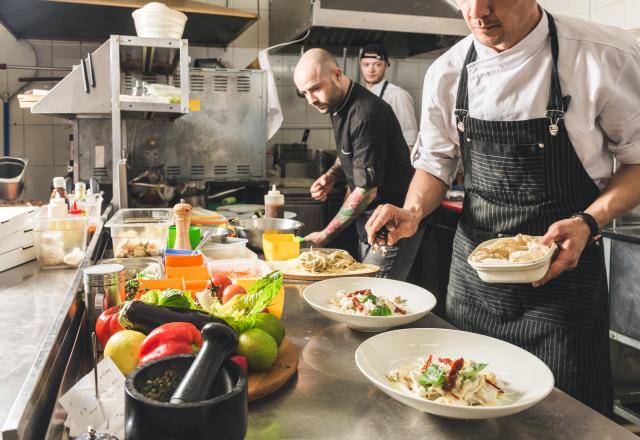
(105, 413)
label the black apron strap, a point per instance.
(558, 104)
(462, 99)
(384, 88)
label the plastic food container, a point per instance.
(508, 272)
(280, 246)
(152, 267)
(184, 260)
(60, 241)
(217, 242)
(167, 283)
(140, 232)
(156, 20)
(188, 273)
(230, 252)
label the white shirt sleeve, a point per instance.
(404, 108)
(620, 116)
(436, 150)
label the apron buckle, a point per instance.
(554, 117)
(461, 117)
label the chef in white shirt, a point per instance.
(374, 61)
(536, 107)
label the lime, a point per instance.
(258, 347)
(271, 325)
(123, 349)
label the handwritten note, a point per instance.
(105, 413)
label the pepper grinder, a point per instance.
(182, 214)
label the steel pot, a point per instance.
(253, 228)
(12, 171)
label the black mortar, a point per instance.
(220, 418)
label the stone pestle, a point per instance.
(219, 341)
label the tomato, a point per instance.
(219, 283)
(231, 291)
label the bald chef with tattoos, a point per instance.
(372, 156)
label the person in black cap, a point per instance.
(372, 157)
(374, 61)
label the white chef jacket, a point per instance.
(599, 67)
(402, 104)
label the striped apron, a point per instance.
(520, 177)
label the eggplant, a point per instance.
(143, 317)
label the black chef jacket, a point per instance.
(371, 146)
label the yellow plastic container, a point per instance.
(280, 246)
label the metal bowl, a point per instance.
(253, 228)
(152, 193)
(12, 170)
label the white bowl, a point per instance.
(156, 20)
(525, 376)
(419, 301)
(508, 272)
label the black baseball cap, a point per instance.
(375, 51)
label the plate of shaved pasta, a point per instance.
(369, 304)
(316, 264)
(454, 374)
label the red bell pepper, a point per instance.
(107, 325)
(169, 339)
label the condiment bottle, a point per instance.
(57, 207)
(59, 188)
(75, 210)
(182, 214)
(80, 192)
(274, 204)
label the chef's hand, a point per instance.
(400, 223)
(322, 187)
(572, 236)
(317, 239)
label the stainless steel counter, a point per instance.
(330, 399)
(327, 399)
(30, 299)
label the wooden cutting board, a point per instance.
(266, 382)
(300, 274)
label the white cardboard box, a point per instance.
(17, 257)
(16, 218)
(17, 240)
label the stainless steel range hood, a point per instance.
(405, 27)
(96, 20)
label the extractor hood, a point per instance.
(405, 27)
(96, 20)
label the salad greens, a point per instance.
(370, 297)
(381, 310)
(473, 371)
(435, 375)
(240, 311)
(169, 298)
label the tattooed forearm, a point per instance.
(353, 206)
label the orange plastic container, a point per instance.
(167, 283)
(195, 286)
(184, 260)
(188, 273)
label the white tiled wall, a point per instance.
(44, 140)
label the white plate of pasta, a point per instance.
(322, 263)
(369, 304)
(454, 374)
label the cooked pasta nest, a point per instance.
(335, 262)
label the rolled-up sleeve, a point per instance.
(620, 117)
(436, 150)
